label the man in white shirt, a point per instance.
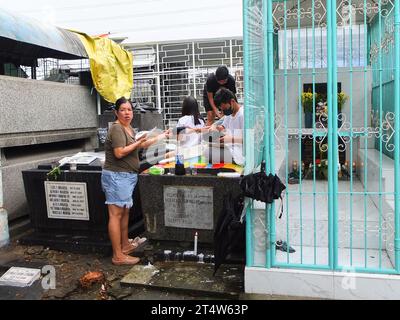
(232, 125)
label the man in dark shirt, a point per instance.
(221, 78)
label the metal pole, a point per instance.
(266, 124)
(4, 234)
(194, 71)
(271, 112)
(98, 103)
(330, 134)
(158, 80)
(230, 53)
(397, 134)
(248, 148)
(33, 70)
(334, 162)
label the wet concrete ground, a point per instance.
(173, 281)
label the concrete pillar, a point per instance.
(4, 234)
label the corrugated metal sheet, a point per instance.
(50, 41)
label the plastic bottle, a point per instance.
(179, 165)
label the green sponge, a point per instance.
(156, 171)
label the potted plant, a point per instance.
(307, 99)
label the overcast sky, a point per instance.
(139, 20)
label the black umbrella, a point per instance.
(265, 188)
(262, 187)
(230, 232)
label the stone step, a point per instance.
(190, 277)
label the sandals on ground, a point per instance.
(128, 260)
(132, 247)
(138, 240)
(134, 244)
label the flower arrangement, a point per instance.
(321, 108)
(341, 99)
(307, 99)
(321, 170)
(321, 166)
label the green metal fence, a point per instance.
(321, 95)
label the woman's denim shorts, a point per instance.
(118, 187)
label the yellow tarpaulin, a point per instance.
(110, 65)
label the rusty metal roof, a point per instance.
(24, 39)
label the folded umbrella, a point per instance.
(262, 187)
(229, 234)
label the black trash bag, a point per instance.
(230, 232)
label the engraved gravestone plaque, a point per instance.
(66, 200)
(188, 207)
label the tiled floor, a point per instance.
(305, 214)
(359, 205)
(320, 256)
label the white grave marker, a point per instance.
(20, 277)
(66, 200)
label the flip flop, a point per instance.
(126, 261)
(133, 247)
(283, 246)
(138, 240)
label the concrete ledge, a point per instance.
(30, 138)
(44, 106)
(322, 284)
(373, 167)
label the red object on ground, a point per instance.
(218, 165)
(91, 277)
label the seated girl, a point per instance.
(190, 124)
(189, 128)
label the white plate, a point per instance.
(140, 134)
(229, 174)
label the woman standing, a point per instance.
(119, 178)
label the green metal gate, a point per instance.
(322, 108)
